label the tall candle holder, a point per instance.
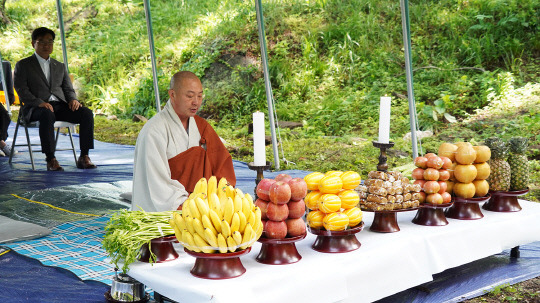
(260, 174)
(382, 166)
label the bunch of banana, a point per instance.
(217, 217)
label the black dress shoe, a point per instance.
(53, 165)
(85, 163)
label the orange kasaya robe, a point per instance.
(191, 165)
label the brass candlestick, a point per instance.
(382, 166)
(260, 175)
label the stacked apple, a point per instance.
(470, 168)
(333, 200)
(282, 205)
(432, 173)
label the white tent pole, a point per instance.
(62, 32)
(152, 52)
(267, 85)
(408, 71)
(4, 85)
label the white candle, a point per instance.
(259, 151)
(384, 120)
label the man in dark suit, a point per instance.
(46, 93)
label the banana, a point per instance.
(246, 207)
(243, 222)
(199, 229)
(188, 240)
(235, 222)
(259, 231)
(211, 238)
(237, 238)
(179, 221)
(192, 196)
(229, 190)
(221, 185)
(189, 225)
(202, 206)
(177, 231)
(246, 238)
(216, 220)
(185, 209)
(239, 192)
(202, 245)
(225, 228)
(237, 201)
(201, 187)
(228, 211)
(251, 219)
(212, 186)
(222, 244)
(231, 244)
(207, 224)
(249, 198)
(193, 210)
(258, 213)
(214, 203)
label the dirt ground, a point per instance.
(524, 292)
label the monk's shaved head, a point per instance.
(178, 79)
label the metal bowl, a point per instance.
(126, 289)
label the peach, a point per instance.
(431, 174)
(444, 174)
(431, 187)
(263, 205)
(280, 192)
(298, 189)
(295, 227)
(435, 162)
(276, 230)
(296, 209)
(263, 189)
(420, 162)
(418, 173)
(446, 198)
(444, 187)
(277, 212)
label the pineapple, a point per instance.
(519, 164)
(499, 178)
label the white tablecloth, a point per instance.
(385, 264)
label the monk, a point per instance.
(176, 148)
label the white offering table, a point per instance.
(385, 264)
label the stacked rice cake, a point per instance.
(388, 191)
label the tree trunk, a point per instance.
(3, 16)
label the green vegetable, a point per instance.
(127, 231)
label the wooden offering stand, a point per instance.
(385, 221)
(431, 214)
(260, 174)
(466, 208)
(218, 266)
(336, 241)
(504, 201)
(279, 251)
(161, 247)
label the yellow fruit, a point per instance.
(207, 224)
(350, 179)
(199, 229)
(312, 180)
(189, 242)
(330, 185)
(464, 190)
(315, 219)
(312, 199)
(235, 222)
(349, 198)
(483, 153)
(185, 209)
(448, 150)
(243, 222)
(247, 237)
(355, 216)
(212, 185)
(228, 210)
(216, 220)
(225, 228)
(483, 170)
(231, 244)
(202, 206)
(329, 203)
(211, 238)
(222, 244)
(189, 224)
(201, 244)
(481, 188)
(213, 203)
(465, 173)
(465, 154)
(237, 238)
(336, 173)
(336, 221)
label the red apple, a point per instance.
(430, 187)
(277, 212)
(420, 162)
(280, 192)
(444, 186)
(435, 198)
(263, 189)
(418, 173)
(447, 163)
(431, 174)
(444, 175)
(435, 162)
(446, 197)
(298, 189)
(276, 230)
(263, 205)
(296, 209)
(283, 177)
(295, 227)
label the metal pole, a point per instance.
(267, 85)
(4, 85)
(408, 71)
(152, 52)
(62, 32)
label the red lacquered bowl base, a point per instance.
(279, 251)
(504, 201)
(336, 241)
(162, 248)
(430, 217)
(218, 266)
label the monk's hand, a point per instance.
(74, 105)
(47, 106)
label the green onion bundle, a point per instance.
(127, 231)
